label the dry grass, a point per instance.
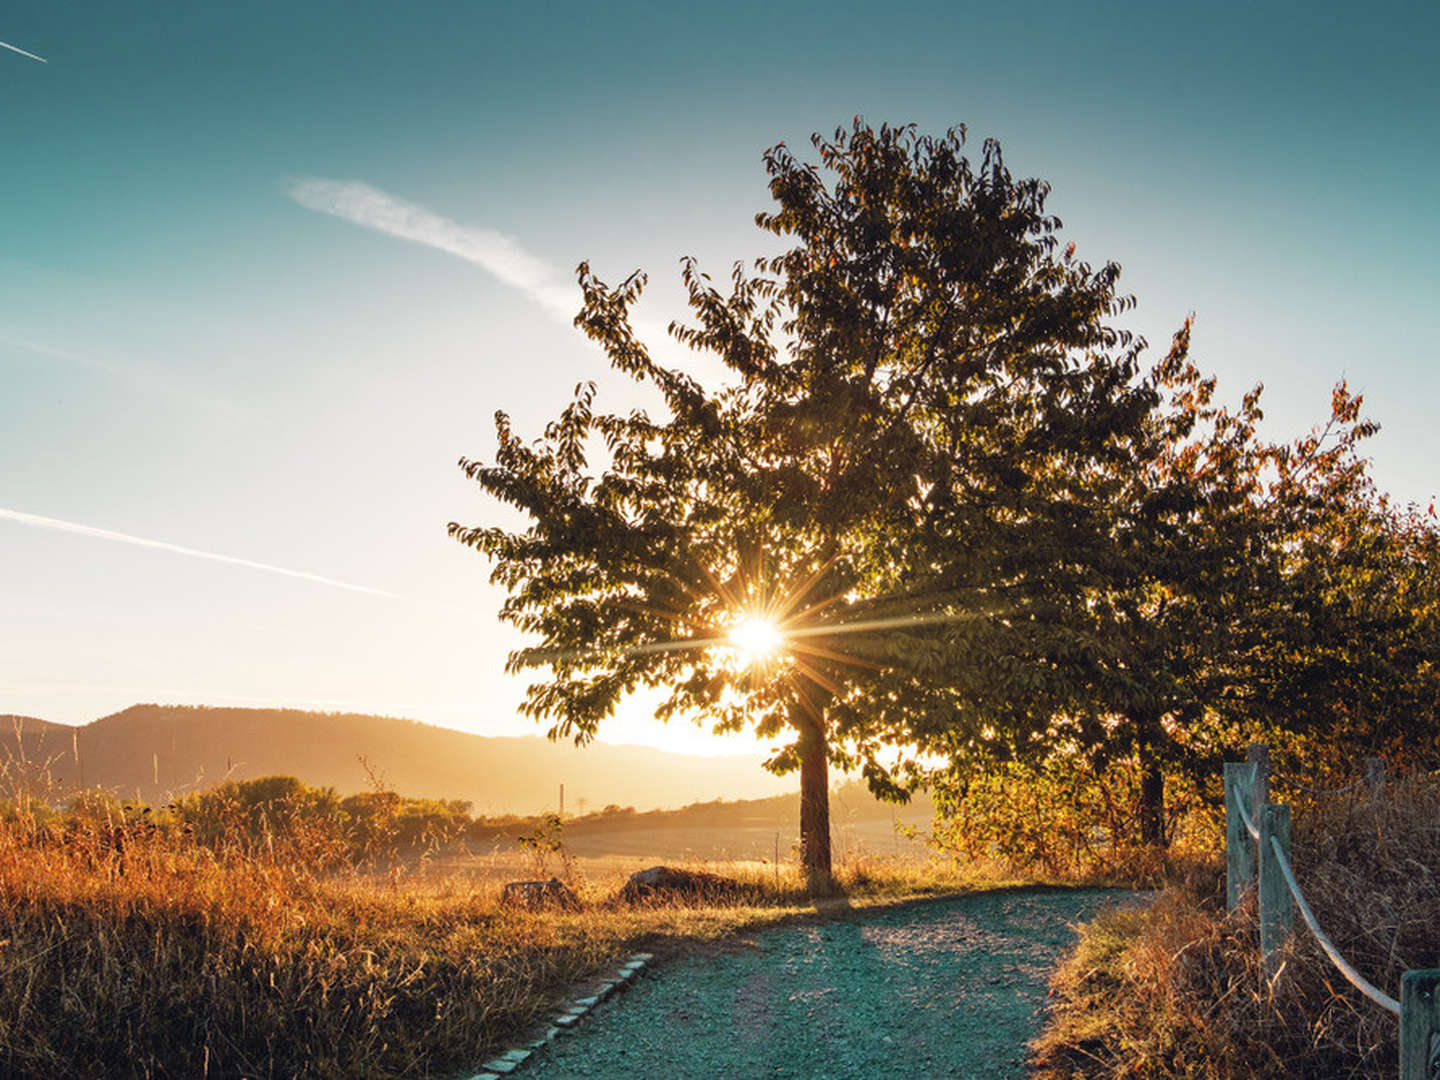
(1176, 990)
(133, 950)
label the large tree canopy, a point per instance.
(908, 473)
(1254, 590)
(1356, 670)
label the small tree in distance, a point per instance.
(867, 543)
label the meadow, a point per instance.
(205, 940)
(208, 939)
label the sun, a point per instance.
(757, 638)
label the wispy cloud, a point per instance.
(22, 52)
(144, 378)
(37, 521)
(501, 255)
(51, 352)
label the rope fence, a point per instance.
(1257, 856)
(1295, 785)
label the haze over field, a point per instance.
(158, 753)
(268, 272)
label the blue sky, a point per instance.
(208, 339)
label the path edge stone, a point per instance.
(506, 1063)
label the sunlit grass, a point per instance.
(232, 960)
(1176, 989)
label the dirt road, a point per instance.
(949, 988)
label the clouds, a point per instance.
(500, 255)
(360, 204)
(37, 521)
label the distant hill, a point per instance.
(159, 751)
(850, 802)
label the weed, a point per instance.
(547, 840)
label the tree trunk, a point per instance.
(1152, 803)
(814, 802)
(1152, 781)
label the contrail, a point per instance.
(501, 255)
(360, 204)
(22, 52)
(123, 538)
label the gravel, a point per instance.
(947, 988)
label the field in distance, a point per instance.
(747, 833)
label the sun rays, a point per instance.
(760, 621)
(757, 638)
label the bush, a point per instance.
(1063, 818)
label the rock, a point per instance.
(664, 883)
(535, 895)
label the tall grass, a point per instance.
(135, 945)
(1177, 990)
(136, 953)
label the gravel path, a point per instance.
(947, 988)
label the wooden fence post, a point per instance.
(1419, 1025)
(1258, 754)
(1375, 774)
(1277, 911)
(1239, 844)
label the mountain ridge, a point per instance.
(156, 752)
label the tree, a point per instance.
(1193, 588)
(896, 479)
(1358, 673)
(1126, 648)
(1254, 590)
(1267, 593)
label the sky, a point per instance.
(268, 270)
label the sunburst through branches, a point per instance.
(767, 625)
(757, 638)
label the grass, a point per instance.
(257, 941)
(1176, 990)
(128, 949)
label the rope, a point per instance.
(1308, 790)
(1245, 817)
(1369, 989)
(1378, 996)
(1241, 798)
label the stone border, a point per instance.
(567, 1020)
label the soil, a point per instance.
(945, 988)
